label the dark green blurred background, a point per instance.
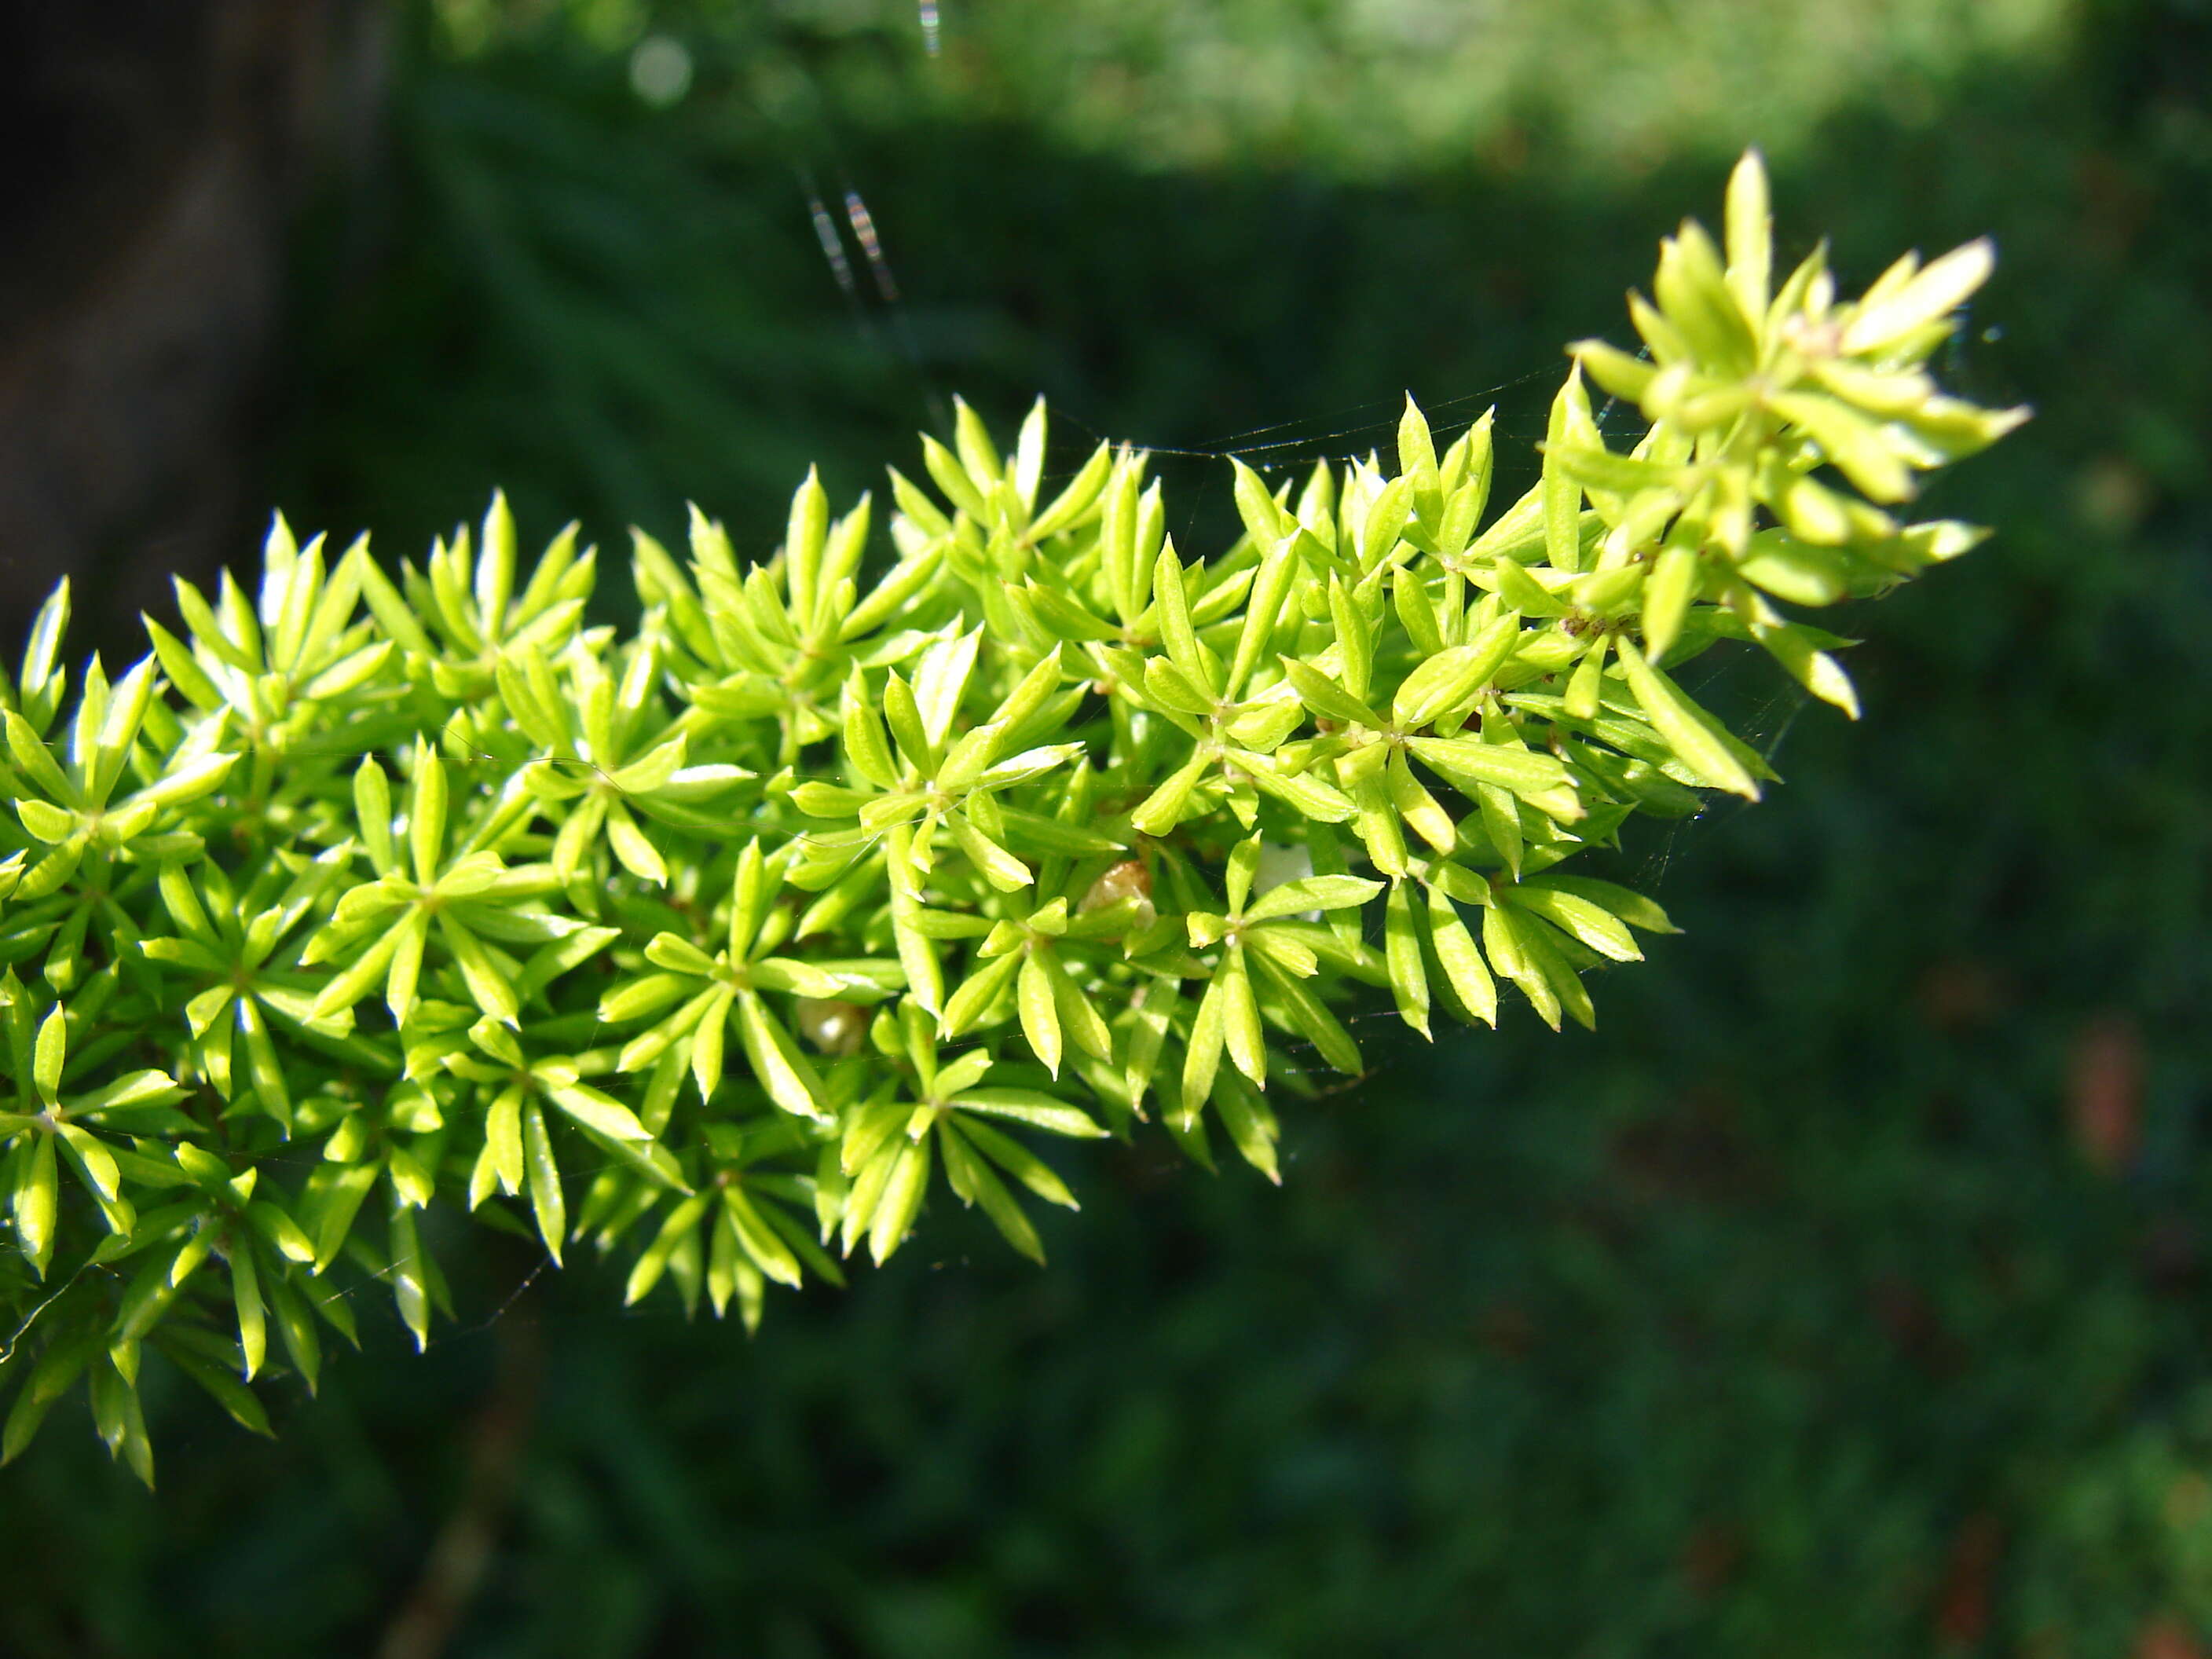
(1846, 1293)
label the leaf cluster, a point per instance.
(849, 882)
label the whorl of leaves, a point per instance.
(845, 884)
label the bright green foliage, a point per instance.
(841, 887)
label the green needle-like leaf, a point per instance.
(420, 883)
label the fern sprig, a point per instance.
(836, 886)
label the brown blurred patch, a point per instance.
(2187, 1501)
(2112, 496)
(1697, 1152)
(2167, 1637)
(2104, 1092)
(1910, 1323)
(2173, 1258)
(1710, 1558)
(1958, 996)
(1505, 1329)
(1507, 151)
(2115, 205)
(1964, 1598)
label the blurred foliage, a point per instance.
(1366, 88)
(1590, 1346)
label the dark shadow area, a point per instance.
(159, 153)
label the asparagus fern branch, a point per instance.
(846, 885)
